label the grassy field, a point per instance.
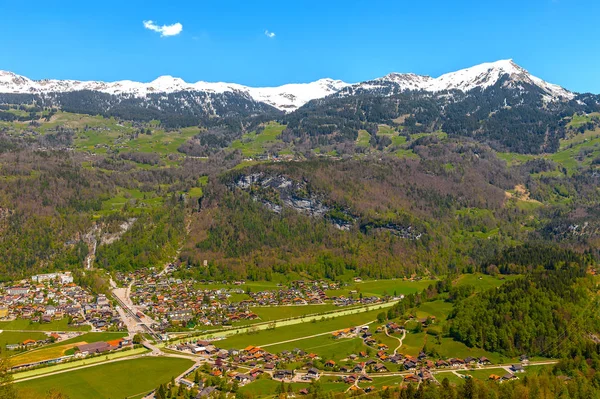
(325, 346)
(383, 287)
(269, 313)
(115, 380)
(264, 387)
(295, 331)
(56, 325)
(439, 309)
(485, 374)
(483, 282)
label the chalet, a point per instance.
(409, 365)
(457, 362)
(330, 364)
(359, 368)
(517, 368)
(441, 363)
(411, 378)
(283, 374)
(344, 369)
(312, 373)
(397, 358)
(380, 368)
(243, 378)
(470, 360)
(269, 366)
(508, 377)
(494, 377)
(484, 360)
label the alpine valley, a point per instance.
(402, 237)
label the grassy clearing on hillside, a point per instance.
(363, 138)
(253, 144)
(383, 287)
(439, 309)
(115, 380)
(483, 282)
(137, 200)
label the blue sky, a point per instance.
(225, 40)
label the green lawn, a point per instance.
(327, 347)
(115, 380)
(269, 313)
(56, 325)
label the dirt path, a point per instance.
(399, 339)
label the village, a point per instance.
(175, 304)
(49, 297)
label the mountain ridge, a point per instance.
(289, 97)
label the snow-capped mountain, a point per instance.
(287, 97)
(480, 76)
(290, 97)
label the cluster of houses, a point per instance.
(246, 365)
(172, 301)
(54, 296)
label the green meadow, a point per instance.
(120, 379)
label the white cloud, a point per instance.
(165, 30)
(270, 35)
